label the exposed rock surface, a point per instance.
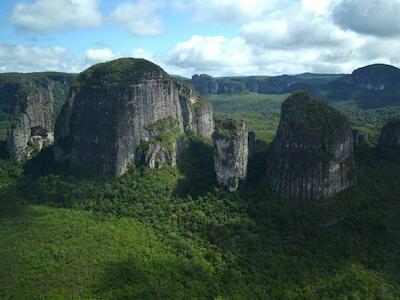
(32, 125)
(312, 154)
(29, 101)
(206, 84)
(116, 109)
(203, 118)
(389, 140)
(230, 153)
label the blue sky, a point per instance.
(218, 37)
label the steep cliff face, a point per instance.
(389, 140)
(32, 128)
(203, 122)
(196, 111)
(230, 153)
(28, 100)
(113, 110)
(312, 154)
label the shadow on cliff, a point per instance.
(197, 166)
(42, 164)
(3, 150)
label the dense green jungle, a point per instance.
(173, 234)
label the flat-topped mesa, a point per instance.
(115, 115)
(230, 152)
(32, 111)
(312, 154)
(389, 139)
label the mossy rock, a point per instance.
(165, 131)
(226, 128)
(119, 73)
(308, 116)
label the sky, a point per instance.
(186, 37)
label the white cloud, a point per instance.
(375, 17)
(138, 17)
(99, 55)
(45, 16)
(300, 25)
(215, 54)
(231, 10)
(20, 58)
(141, 53)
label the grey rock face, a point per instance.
(230, 153)
(312, 154)
(158, 155)
(203, 118)
(389, 140)
(110, 113)
(32, 129)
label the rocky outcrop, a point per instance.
(32, 126)
(312, 154)
(121, 112)
(29, 101)
(206, 85)
(203, 118)
(360, 138)
(389, 139)
(230, 152)
(197, 113)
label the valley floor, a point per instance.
(63, 237)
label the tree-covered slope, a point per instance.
(143, 236)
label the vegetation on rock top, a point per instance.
(226, 127)
(119, 73)
(308, 116)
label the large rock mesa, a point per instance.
(109, 118)
(312, 154)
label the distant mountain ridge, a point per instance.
(373, 77)
(282, 84)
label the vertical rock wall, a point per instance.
(230, 153)
(110, 112)
(312, 154)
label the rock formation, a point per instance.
(230, 152)
(32, 125)
(312, 154)
(389, 140)
(29, 100)
(360, 138)
(372, 77)
(124, 111)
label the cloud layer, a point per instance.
(272, 36)
(138, 17)
(45, 16)
(375, 17)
